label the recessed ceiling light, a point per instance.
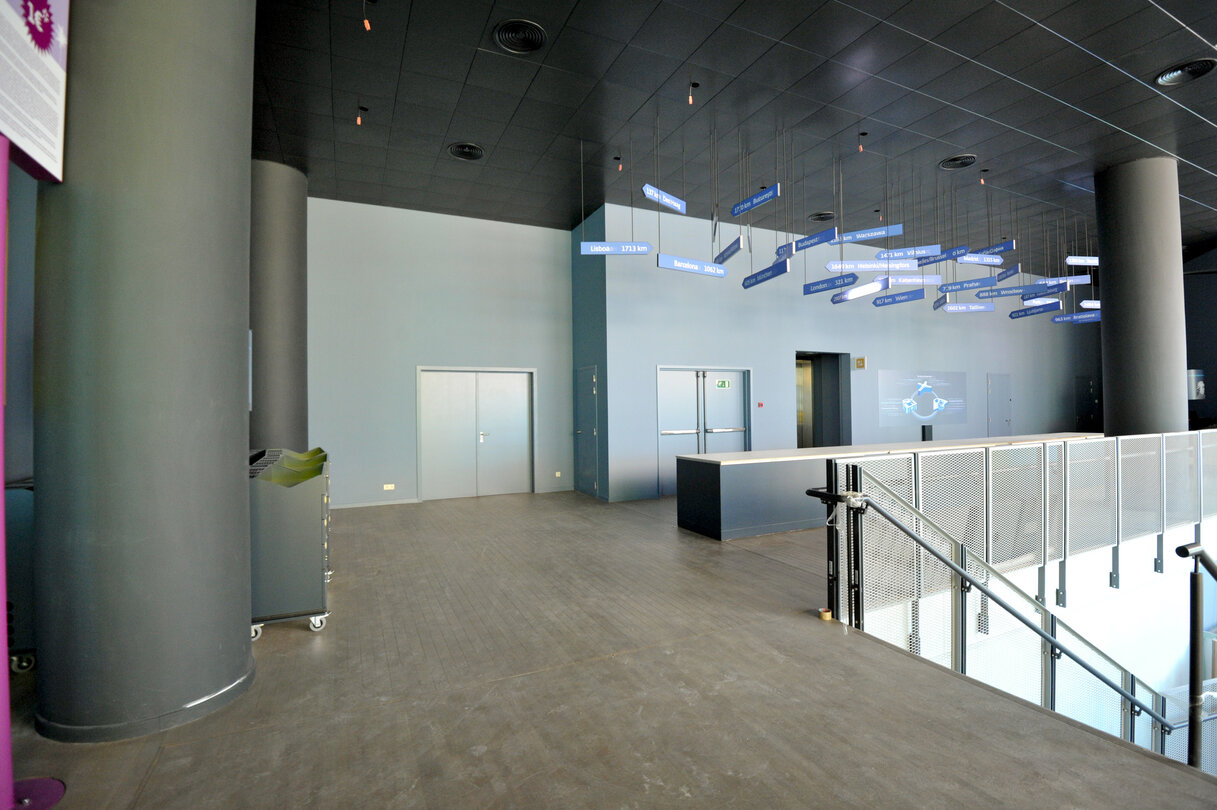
(1184, 73)
(466, 151)
(519, 36)
(822, 216)
(956, 162)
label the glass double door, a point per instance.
(700, 411)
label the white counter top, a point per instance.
(812, 453)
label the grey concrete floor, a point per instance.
(556, 651)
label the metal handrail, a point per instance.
(859, 502)
(1195, 697)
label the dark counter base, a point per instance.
(729, 501)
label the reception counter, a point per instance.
(732, 495)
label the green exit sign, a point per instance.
(722, 383)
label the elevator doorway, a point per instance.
(700, 411)
(822, 399)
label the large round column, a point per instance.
(1141, 274)
(278, 307)
(142, 305)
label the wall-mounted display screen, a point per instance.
(922, 397)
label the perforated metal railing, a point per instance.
(1004, 513)
(944, 618)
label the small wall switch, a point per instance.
(390, 487)
(558, 474)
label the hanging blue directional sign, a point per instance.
(772, 271)
(979, 258)
(730, 250)
(878, 285)
(834, 283)
(1078, 317)
(905, 281)
(953, 253)
(940, 301)
(1024, 289)
(899, 298)
(910, 252)
(868, 234)
(816, 239)
(613, 248)
(1040, 290)
(872, 266)
(669, 262)
(760, 198)
(1074, 280)
(785, 251)
(968, 307)
(1008, 272)
(970, 284)
(1000, 247)
(663, 198)
(1082, 261)
(1042, 309)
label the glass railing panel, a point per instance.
(1016, 498)
(1143, 724)
(1182, 481)
(1092, 491)
(1000, 650)
(1079, 694)
(1140, 486)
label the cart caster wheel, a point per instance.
(21, 663)
(255, 632)
(316, 623)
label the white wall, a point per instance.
(390, 290)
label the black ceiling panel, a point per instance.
(1024, 84)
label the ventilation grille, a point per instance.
(956, 162)
(466, 151)
(519, 36)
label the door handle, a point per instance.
(578, 432)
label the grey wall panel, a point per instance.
(428, 290)
(587, 462)
(661, 317)
(588, 335)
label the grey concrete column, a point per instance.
(278, 306)
(1141, 276)
(142, 575)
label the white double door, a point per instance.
(475, 433)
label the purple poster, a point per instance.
(33, 82)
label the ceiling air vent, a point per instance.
(822, 216)
(956, 162)
(519, 36)
(466, 151)
(1182, 74)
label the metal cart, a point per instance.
(289, 537)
